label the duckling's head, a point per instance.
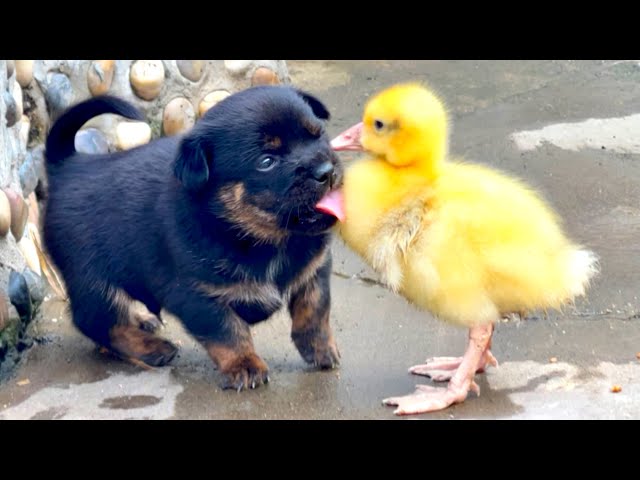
(405, 125)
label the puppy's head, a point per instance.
(261, 159)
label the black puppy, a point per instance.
(218, 227)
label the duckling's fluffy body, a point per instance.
(469, 246)
(461, 240)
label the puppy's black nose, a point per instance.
(322, 172)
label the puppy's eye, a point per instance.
(267, 163)
(378, 125)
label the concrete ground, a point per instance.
(570, 128)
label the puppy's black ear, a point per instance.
(191, 166)
(319, 110)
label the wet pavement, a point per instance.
(570, 128)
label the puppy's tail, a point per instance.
(60, 142)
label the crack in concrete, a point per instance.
(367, 280)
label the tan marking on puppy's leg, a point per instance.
(310, 329)
(304, 307)
(146, 320)
(238, 362)
(130, 340)
(134, 344)
(122, 302)
(132, 312)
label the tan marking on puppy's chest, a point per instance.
(265, 293)
(247, 292)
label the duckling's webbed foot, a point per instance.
(441, 369)
(430, 399)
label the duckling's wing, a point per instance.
(395, 233)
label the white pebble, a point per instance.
(147, 77)
(132, 134)
(237, 66)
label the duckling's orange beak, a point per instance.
(349, 139)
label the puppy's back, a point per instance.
(101, 209)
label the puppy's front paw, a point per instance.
(245, 372)
(317, 347)
(327, 357)
(238, 363)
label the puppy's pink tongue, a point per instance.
(333, 204)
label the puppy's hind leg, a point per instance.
(106, 319)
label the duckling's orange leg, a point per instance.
(430, 399)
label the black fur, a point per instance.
(60, 141)
(150, 221)
(319, 110)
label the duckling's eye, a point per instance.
(378, 125)
(267, 163)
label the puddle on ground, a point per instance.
(97, 401)
(130, 401)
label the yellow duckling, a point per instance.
(461, 240)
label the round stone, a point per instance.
(19, 295)
(5, 214)
(27, 175)
(25, 126)
(147, 77)
(4, 311)
(19, 213)
(30, 254)
(91, 141)
(24, 72)
(12, 109)
(36, 286)
(34, 213)
(191, 69)
(178, 116)
(37, 155)
(16, 92)
(210, 100)
(58, 93)
(264, 76)
(237, 67)
(132, 134)
(100, 76)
